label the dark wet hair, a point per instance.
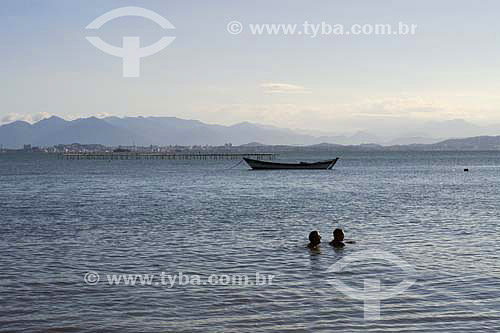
(314, 236)
(338, 234)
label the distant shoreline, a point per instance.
(480, 143)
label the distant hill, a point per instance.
(467, 144)
(15, 134)
(253, 144)
(54, 130)
(172, 130)
(412, 140)
(474, 143)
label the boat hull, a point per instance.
(265, 165)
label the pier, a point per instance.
(164, 156)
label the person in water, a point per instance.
(314, 239)
(338, 238)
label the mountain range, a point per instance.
(144, 131)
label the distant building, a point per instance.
(27, 148)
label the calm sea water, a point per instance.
(61, 219)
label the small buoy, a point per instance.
(466, 170)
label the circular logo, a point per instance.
(234, 27)
(372, 292)
(91, 278)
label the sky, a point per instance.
(449, 69)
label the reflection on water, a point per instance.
(60, 219)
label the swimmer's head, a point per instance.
(338, 235)
(314, 237)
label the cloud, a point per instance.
(30, 118)
(283, 88)
(35, 117)
(402, 107)
(370, 113)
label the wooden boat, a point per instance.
(265, 165)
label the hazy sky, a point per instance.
(449, 69)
